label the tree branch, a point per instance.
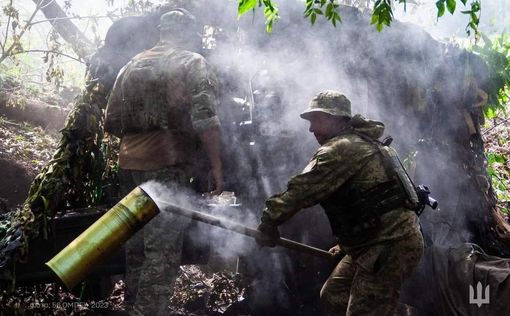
(49, 51)
(7, 52)
(6, 30)
(47, 4)
(81, 45)
(76, 18)
(495, 125)
(1, 45)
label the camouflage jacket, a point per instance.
(163, 88)
(343, 167)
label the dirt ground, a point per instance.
(24, 150)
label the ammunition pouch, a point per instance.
(395, 170)
(360, 219)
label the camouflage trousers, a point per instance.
(370, 283)
(153, 254)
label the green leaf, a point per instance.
(474, 18)
(269, 26)
(271, 14)
(440, 8)
(313, 18)
(491, 171)
(490, 158)
(499, 158)
(245, 6)
(375, 18)
(337, 17)
(451, 4)
(318, 11)
(463, 2)
(475, 6)
(489, 113)
(329, 10)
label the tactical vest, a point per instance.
(354, 215)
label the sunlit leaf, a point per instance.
(440, 8)
(245, 6)
(451, 4)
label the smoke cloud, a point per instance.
(402, 77)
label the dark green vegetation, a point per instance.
(382, 11)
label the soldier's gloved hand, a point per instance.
(337, 253)
(270, 234)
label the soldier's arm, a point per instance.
(329, 169)
(211, 142)
(112, 121)
(202, 85)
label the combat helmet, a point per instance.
(330, 102)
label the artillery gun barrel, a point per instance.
(244, 230)
(73, 263)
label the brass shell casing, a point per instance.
(107, 234)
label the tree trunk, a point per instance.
(48, 116)
(81, 45)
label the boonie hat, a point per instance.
(330, 102)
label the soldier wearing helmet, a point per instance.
(370, 204)
(163, 107)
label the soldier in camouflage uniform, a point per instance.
(369, 201)
(162, 106)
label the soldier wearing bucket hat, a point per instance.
(163, 107)
(329, 113)
(330, 102)
(369, 202)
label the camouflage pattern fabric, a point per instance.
(329, 102)
(369, 284)
(153, 255)
(342, 168)
(163, 88)
(346, 157)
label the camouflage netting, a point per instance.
(75, 177)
